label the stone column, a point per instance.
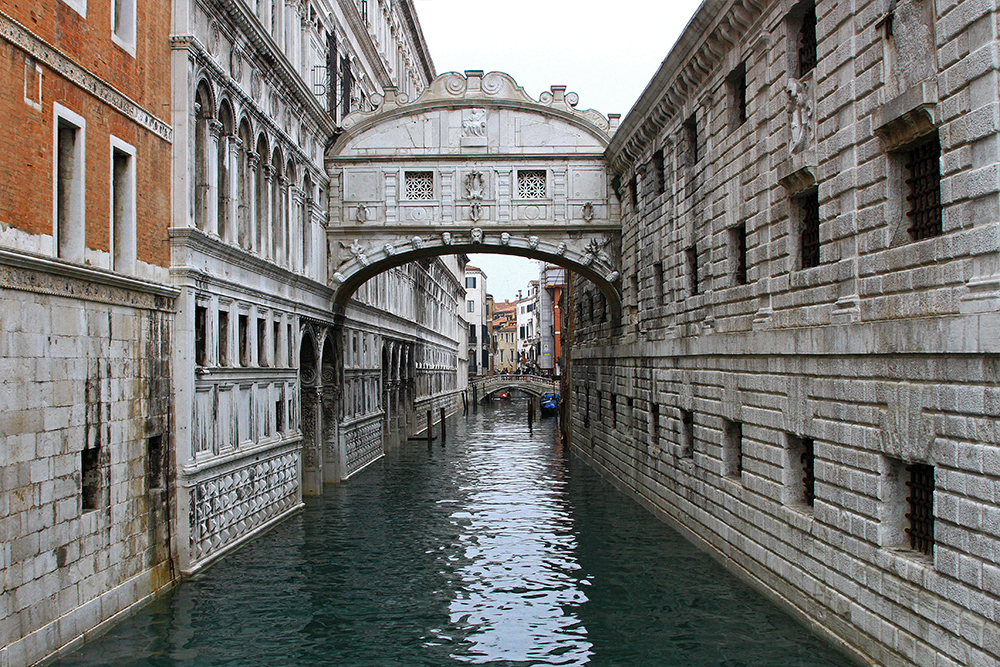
(253, 163)
(264, 214)
(233, 195)
(297, 226)
(212, 173)
(312, 441)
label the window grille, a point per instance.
(807, 41)
(659, 172)
(691, 140)
(808, 459)
(531, 184)
(921, 501)
(420, 185)
(738, 86)
(633, 186)
(809, 238)
(692, 260)
(924, 183)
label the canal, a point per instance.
(494, 548)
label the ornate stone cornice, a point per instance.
(58, 62)
(715, 29)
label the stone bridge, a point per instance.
(532, 384)
(473, 165)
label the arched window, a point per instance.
(202, 159)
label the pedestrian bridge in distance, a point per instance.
(473, 165)
(531, 384)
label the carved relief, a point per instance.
(474, 123)
(588, 211)
(477, 235)
(800, 114)
(362, 213)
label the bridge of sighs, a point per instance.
(473, 165)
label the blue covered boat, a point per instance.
(550, 404)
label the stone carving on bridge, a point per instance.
(474, 123)
(417, 242)
(446, 238)
(476, 235)
(505, 239)
(362, 214)
(475, 186)
(594, 251)
(800, 113)
(588, 211)
(532, 242)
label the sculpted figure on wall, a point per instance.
(474, 124)
(800, 113)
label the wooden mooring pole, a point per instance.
(442, 426)
(531, 411)
(430, 425)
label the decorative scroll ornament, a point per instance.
(505, 239)
(417, 242)
(475, 185)
(362, 214)
(477, 235)
(800, 113)
(588, 211)
(474, 125)
(532, 242)
(446, 238)
(339, 277)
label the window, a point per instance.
(908, 510)
(923, 182)
(586, 410)
(600, 400)
(531, 184)
(691, 141)
(658, 282)
(123, 25)
(807, 212)
(223, 338)
(732, 448)
(279, 411)
(470, 306)
(737, 81)
(654, 421)
(613, 401)
(275, 338)
(806, 40)
(200, 335)
(738, 252)
(659, 172)
(244, 339)
(633, 188)
(69, 199)
(530, 308)
(122, 207)
(419, 185)
(687, 434)
(800, 477)
(91, 479)
(692, 261)
(79, 6)
(470, 282)
(261, 341)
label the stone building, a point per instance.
(86, 317)
(804, 376)
(476, 313)
(505, 336)
(552, 285)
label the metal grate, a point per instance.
(420, 185)
(921, 501)
(808, 460)
(809, 239)
(807, 42)
(924, 182)
(531, 184)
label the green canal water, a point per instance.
(496, 548)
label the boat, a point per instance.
(550, 404)
(504, 395)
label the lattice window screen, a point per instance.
(531, 184)
(420, 185)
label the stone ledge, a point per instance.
(907, 117)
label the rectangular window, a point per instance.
(123, 25)
(600, 400)
(122, 207)
(155, 463)
(69, 198)
(613, 400)
(806, 40)
(687, 434)
(923, 182)
(91, 479)
(279, 411)
(658, 282)
(470, 282)
(261, 341)
(586, 409)
(276, 338)
(531, 184)
(737, 81)
(659, 172)
(200, 335)
(691, 141)
(223, 338)
(692, 261)
(633, 189)
(470, 306)
(920, 499)
(654, 421)
(419, 185)
(244, 342)
(800, 478)
(807, 207)
(732, 448)
(738, 252)
(531, 308)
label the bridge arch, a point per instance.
(473, 165)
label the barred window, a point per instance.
(923, 166)
(807, 41)
(531, 184)
(420, 185)
(738, 249)
(808, 206)
(921, 501)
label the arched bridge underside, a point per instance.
(531, 384)
(474, 165)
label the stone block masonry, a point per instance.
(804, 379)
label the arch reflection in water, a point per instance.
(493, 549)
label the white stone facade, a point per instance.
(802, 336)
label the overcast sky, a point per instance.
(606, 52)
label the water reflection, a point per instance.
(492, 549)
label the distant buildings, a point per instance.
(477, 317)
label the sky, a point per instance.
(606, 52)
